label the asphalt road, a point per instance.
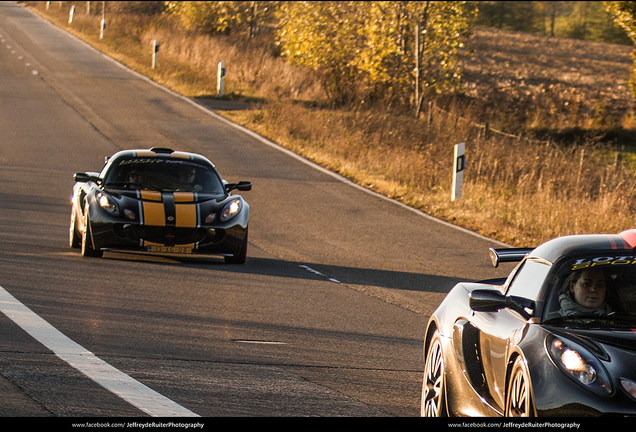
(326, 318)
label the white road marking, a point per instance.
(260, 342)
(316, 272)
(112, 379)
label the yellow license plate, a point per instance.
(170, 249)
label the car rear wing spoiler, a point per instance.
(508, 255)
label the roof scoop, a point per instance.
(162, 150)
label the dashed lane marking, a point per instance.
(316, 272)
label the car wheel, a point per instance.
(74, 239)
(433, 402)
(241, 257)
(87, 245)
(519, 398)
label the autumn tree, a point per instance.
(135, 7)
(444, 27)
(366, 50)
(222, 17)
(625, 14)
(514, 15)
(586, 20)
(324, 36)
(385, 59)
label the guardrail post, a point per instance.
(219, 80)
(155, 49)
(458, 171)
(102, 25)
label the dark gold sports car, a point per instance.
(555, 338)
(159, 201)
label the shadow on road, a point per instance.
(419, 282)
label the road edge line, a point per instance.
(107, 376)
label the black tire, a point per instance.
(241, 257)
(74, 239)
(87, 242)
(433, 403)
(519, 394)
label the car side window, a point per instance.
(529, 279)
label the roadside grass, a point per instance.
(574, 175)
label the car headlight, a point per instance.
(629, 386)
(230, 210)
(579, 364)
(107, 204)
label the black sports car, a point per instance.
(556, 338)
(160, 201)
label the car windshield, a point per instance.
(163, 175)
(598, 291)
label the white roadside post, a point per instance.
(458, 171)
(70, 14)
(102, 25)
(155, 49)
(219, 79)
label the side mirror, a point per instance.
(493, 301)
(486, 301)
(85, 178)
(242, 186)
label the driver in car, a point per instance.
(134, 178)
(187, 181)
(583, 293)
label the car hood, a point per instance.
(623, 338)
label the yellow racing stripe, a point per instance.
(146, 153)
(181, 197)
(154, 214)
(150, 195)
(179, 155)
(186, 215)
